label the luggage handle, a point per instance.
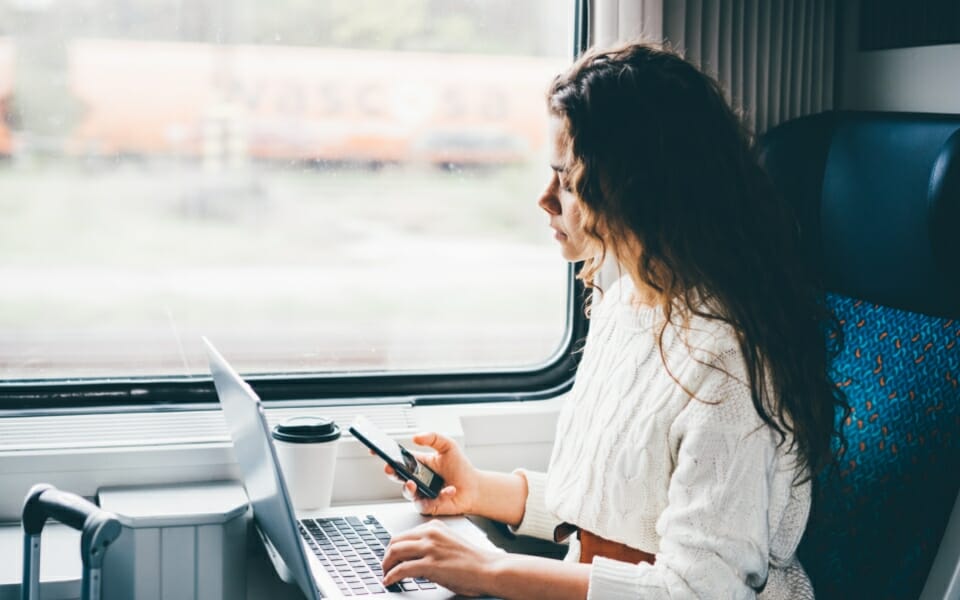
(45, 501)
(99, 528)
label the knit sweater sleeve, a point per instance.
(714, 531)
(537, 520)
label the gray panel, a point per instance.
(179, 542)
(177, 563)
(118, 566)
(146, 578)
(210, 556)
(235, 556)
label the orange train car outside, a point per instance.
(299, 103)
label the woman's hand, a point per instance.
(459, 495)
(435, 551)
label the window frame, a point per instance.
(419, 388)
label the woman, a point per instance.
(702, 405)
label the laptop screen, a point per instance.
(262, 478)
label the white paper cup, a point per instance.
(307, 451)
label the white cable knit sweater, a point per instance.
(701, 482)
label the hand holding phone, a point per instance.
(406, 466)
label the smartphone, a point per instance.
(403, 462)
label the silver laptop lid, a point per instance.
(262, 478)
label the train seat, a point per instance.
(877, 196)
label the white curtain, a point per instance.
(776, 58)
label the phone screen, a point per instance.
(395, 451)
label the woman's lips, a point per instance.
(558, 235)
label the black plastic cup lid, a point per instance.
(306, 430)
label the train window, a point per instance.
(317, 187)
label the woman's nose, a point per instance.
(548, 199)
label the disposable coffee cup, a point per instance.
(307, 450)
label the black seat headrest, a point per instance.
(878, 199)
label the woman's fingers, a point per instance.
(410, 568)
(428, 458)
(440, 443)
(386, 468)
(410, 492)
(411, 544)
(404, 549)
(427, 508)
(431, 507)
(414, 533)
(412, 553)
(392, 474)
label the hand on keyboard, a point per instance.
(440, 554)
(351, 549)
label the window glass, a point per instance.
(315, 186)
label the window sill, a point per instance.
(494, 435)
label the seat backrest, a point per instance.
(878, 199)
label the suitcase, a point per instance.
(99, 528)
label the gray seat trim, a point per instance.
(943, 582)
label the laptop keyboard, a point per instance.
(351, 552)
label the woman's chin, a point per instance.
(572, 254)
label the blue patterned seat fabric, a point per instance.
(878, 517)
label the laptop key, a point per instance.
(394, 587)
(409, 587)
(427, 585)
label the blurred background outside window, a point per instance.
(316, 186)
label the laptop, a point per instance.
(334, 553)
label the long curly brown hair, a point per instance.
(659, 160)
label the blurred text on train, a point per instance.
(291, 103)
